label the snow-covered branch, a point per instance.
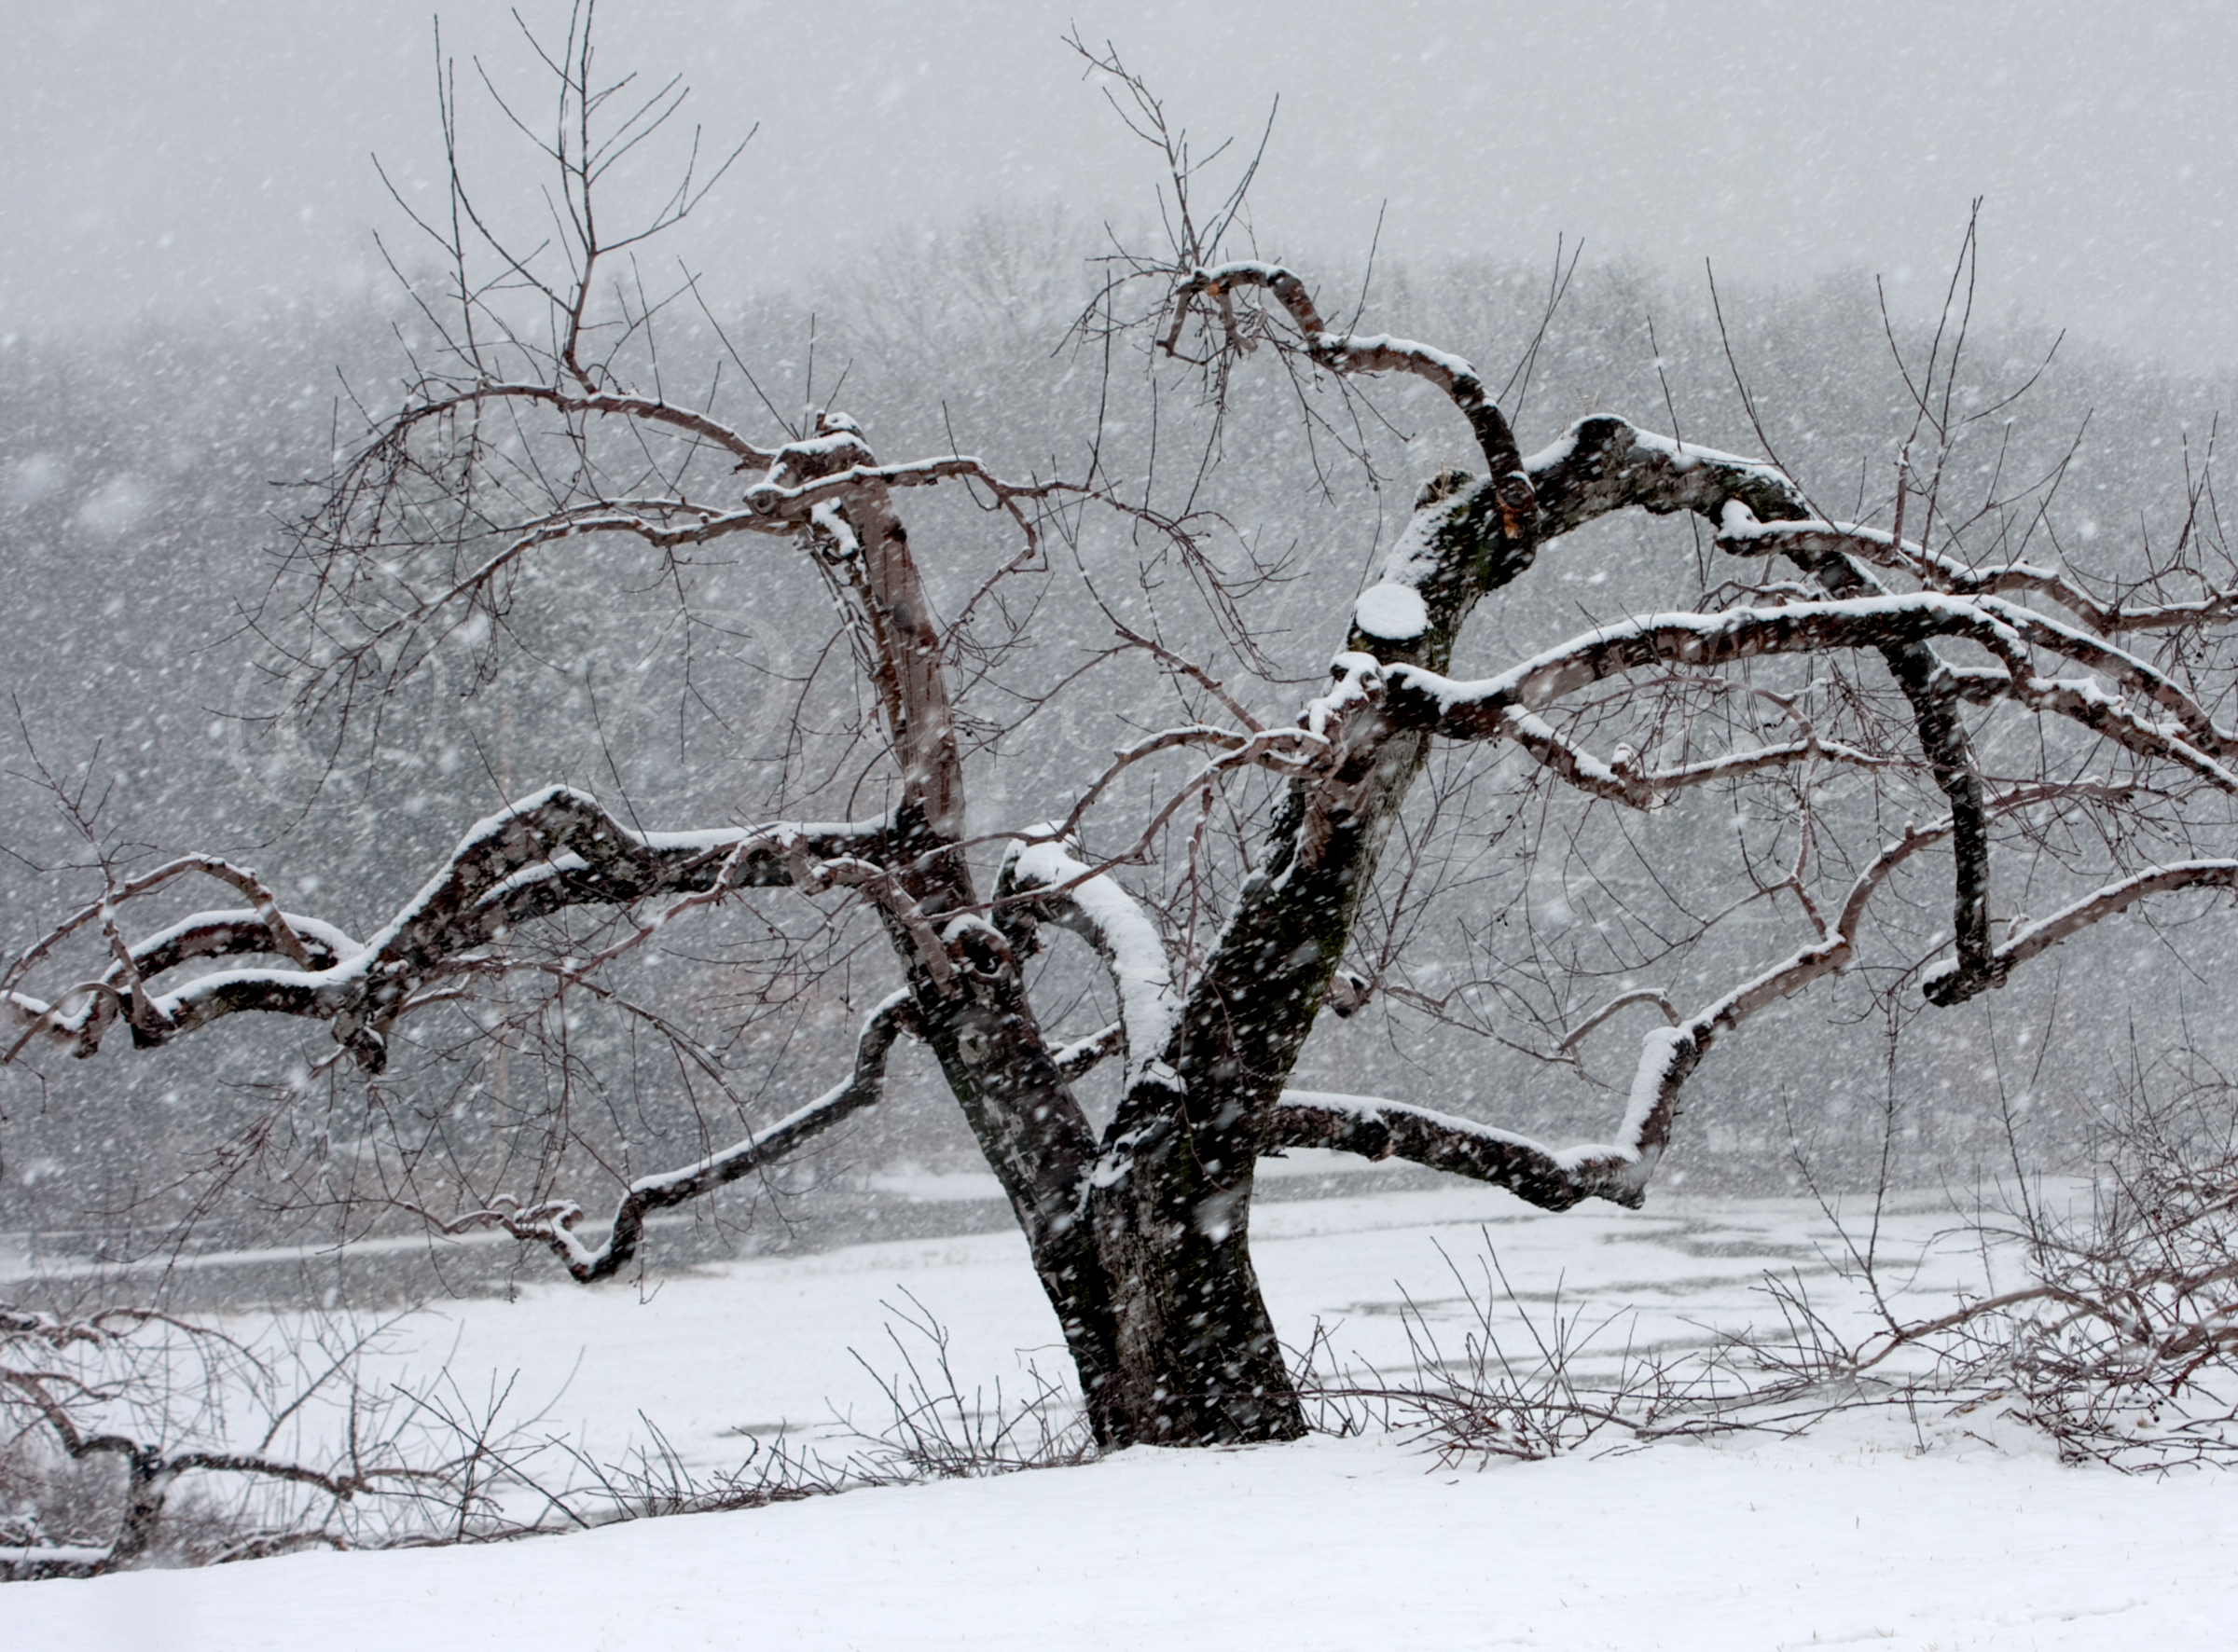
(1485, 710)
(1617, 1006)
(1622, 779)
(1946, 984)
(801, 484)
(554, 1223)
(1353, 352)
(1095, 906)
(1599, 465)
(1604, 464)
(2145, 713)
(772, 500)
(1618, 1170)
(1375, 1128)
(1938, 571)
(281, 933)
(603, 403)
(1083, 1055)
(554, 849)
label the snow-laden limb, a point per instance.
(1283, 941)
(1815, 538)
(1617, 1006)
(1485, 710)
(2093, 652)
(555, 1222)
(2186, 733)
(1096, 908)
(553, 849)
(1617, 1170)
(2119, 666)
(1946, 984)
(1604, 464)
(1623, 780)
(1670, 1055)
(775, 500)
(781, 500)
(1376, 1128)
(1359, 353)
(593, 403)
(82, 1014)
(1433, 570)
(802, 483)
(281, 929)
(1082, 1055)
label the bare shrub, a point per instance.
(2120, 1342)
(1569, 1386)
(104, 1412)
(937, 1434)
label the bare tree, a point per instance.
(1927, 703)
(167, 1400)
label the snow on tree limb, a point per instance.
(1376, 1128)
(1944, 984)
(1944, 573)
(1095, 906)
(1618, 1170)
(1604, 464)
(279, 928)
(1349, 352)
(1623, 780)
(554, 1222)
(1617, 1005)
(1082, 1055)
(1485, 710)
(554, 849)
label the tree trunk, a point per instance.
(1150, 1274)
(1198, 1361)
(1195, 1358)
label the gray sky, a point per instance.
(179, 154)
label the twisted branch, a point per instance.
(553, 1223)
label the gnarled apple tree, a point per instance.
(1917, 705)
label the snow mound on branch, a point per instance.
(1394, 612)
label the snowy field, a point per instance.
(1909, 1530)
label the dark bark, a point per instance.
(1454, 1146)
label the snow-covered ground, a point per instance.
(1916, 1531)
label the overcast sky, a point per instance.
(176, 154)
